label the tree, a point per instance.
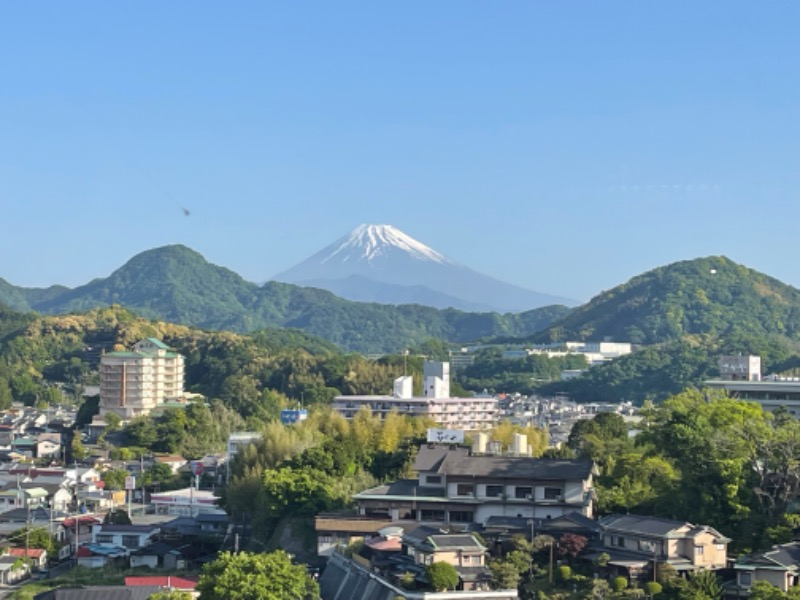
(763, 590)
(442, 576)
(250, 576)
(115, 479)
(705, 584)
(77, 451)
(36, 538)
(571, 545)
(170, 595)
(505, 575)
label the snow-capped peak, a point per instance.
(367, 242)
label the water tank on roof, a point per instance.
(520, 444)
(479, 443)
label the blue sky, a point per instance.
(562, 146)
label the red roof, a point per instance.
(181, 583)
(32, 552)
(83, 552)
(86, 520)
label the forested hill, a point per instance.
(176, 284)
(712, 295)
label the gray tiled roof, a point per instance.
(455, 542)
(104, 592)
(641, 524)
(786, 555)
(460, 462)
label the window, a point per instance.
(104, 538)
(494, 491)
(461, 516)
(523, 493)
(465, 489)
(745, 579)
(432, 515)
(130, 541)
(646, 546)
(619, 541)
(698, 550)
(552, 493)
(721, 547)
(433, 479)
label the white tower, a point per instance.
(436, 379)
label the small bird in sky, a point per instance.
(186, 211)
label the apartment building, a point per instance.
(469, 414)
(134, 383)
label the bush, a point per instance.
(652, 588)
(564, 573)
(619, 583)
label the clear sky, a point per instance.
(562, 146)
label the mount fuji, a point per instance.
(380, 263)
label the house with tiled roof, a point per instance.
(425, 546)
(38, 556)
(780, 566)
(635, 543)
(455, 486)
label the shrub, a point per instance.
(619, 583)
(652, 588)
(564, 573)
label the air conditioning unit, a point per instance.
(528, 496)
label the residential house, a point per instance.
(48, 445)
(334, 530)
(14, 496)
(158, 556)
(36, 556)
(634, 543)
(25, 446)
(12, 569)
(779, 566)
(127, 536)
(425, 545)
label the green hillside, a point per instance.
(176, 284)
(706, 296)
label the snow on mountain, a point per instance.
(368, 242)
(381, 263)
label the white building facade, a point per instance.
(469, 414)
(134, 383)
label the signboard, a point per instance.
(130, 482)
(446, 436)
(290, 417)
(197, 468)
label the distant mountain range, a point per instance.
(710, 296)
(176, 284)
(380, 263)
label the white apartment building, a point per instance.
(134, 383)
(469, 414)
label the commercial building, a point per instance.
(469, 414)
(741, 377)
(134, 383)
